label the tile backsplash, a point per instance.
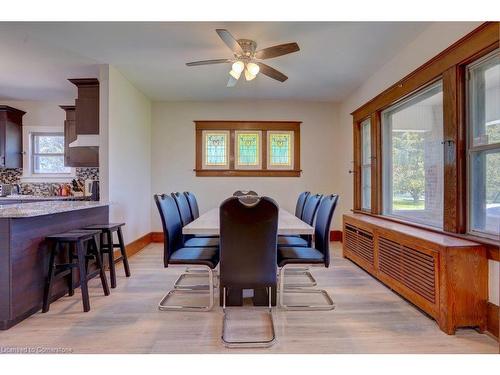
(13, 176)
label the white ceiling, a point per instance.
(335, 57)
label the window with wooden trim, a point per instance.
(248, 148)
(280, 149)
(412, 155)
(435, 148)
(366, 165)
(483, 99)
(215, 149)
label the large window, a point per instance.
(244, 148)
(366, 165)
(484, 145)
(47, 154)
(413, 157)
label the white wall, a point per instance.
(173, 150)
(125, 153)
(39, 113)
(432, 41)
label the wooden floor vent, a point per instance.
(359, 242)
(413, 268)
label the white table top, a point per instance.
(208, 223)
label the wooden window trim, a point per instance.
(232, 127)
(449, 66)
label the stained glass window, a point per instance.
(248, 149)
(280, 149)
(216, 149)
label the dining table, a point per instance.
(209, 224)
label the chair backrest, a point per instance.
(322, 226)
(183, 207)
(193, 204)
(301, 200)
(248, 237)
(310, 208)
(172, 225)
(242, 193)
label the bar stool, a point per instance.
(82, 246)
(107, 230)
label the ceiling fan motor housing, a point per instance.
(248, 46)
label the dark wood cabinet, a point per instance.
(82, 119)
(76, 156)
(11, 137)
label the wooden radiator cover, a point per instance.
(444, 276)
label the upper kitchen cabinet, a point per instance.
(11, 137)
(81, 128)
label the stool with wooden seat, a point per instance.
(107, 230)
(80, 246)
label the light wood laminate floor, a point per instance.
(369, 318)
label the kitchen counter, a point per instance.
(19, 210)
(24, 253)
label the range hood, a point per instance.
(85, 140)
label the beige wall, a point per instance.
(173, 151)
(39, 113)
(125, 153)
(433, 40)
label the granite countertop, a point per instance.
(21, 197)
(19, 210)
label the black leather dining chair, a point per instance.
(195, 212)
(186, 217)
(242, 193)
(193, 205)
(308, 216)
(301, 201)
(317, 255)
(248, 234)
(176, 254)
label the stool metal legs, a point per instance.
(208, 272)
(245, 343)
(284, 288)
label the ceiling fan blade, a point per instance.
(231, 82)
(275, 51)
(271, 72)
(208, 62)
(230, 41)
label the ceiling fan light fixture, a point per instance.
(249, 76)
(253, 68)
(236, 75)
(238, 67)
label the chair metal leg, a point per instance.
(301, 271)
(289, 290)
(195, 273)
(163, 303)
(244, 343)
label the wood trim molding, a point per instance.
(492, 326)
(137, 245)
(134, 247)
(232, 126)
(336, 235)
(481, 40)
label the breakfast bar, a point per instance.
(24, 256)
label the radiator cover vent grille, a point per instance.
(359, 242)
(412, 268)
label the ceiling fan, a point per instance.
(246, 58)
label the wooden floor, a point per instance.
(369, 318)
